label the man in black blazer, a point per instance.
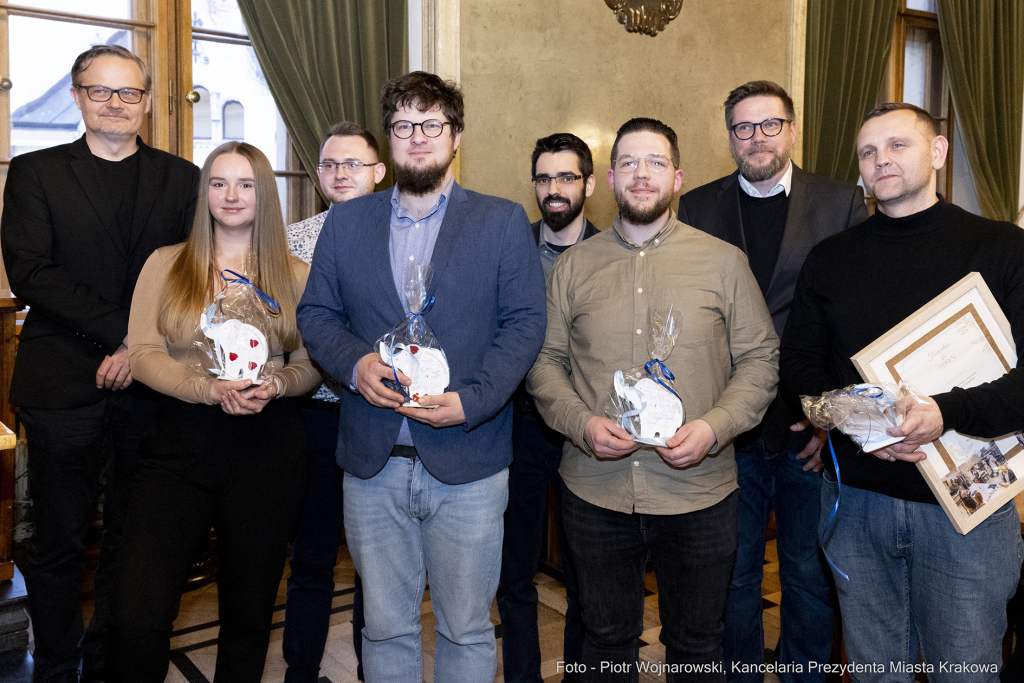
(775, 213)
(79, 221)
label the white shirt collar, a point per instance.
(782, 186)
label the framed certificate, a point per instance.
(959, 339)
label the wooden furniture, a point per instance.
(9, 308)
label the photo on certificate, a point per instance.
(974, 482)
(959, 339)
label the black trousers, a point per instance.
(244, 476)
(67, 449)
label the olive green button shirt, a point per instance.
(725, 361)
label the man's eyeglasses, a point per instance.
(745, 129)
(431, 128)
(350, 165)
(656, 163)
(563, 179)
(101, 93)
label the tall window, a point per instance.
(39, 40)
(224, 61)
(917, 75)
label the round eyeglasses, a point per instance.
(403, 130)
(563, 179)
(101, 93)
(769, 127)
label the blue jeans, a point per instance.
(913, 578)
(692, 554)
(538, 452)
(314, 556)
(777, 481)
(402, 524)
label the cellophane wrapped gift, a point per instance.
(643, 400)
(411, 347)
(863, 411)
(233, 335)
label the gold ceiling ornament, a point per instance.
(645, 16)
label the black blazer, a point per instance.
(818, 208)
(66, 259)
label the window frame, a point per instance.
(892, 84)
(303, 199)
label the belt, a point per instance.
(403, 452)
(323, 406)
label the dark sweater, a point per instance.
(764, 222)
(859, 284)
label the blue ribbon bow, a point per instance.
(417, 320)
(272, 306)
(665, 372)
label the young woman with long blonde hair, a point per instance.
(221, 453)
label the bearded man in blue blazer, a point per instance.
(426, 489)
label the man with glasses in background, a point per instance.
(79, 221)
(349, 167)
(426, 482)
(775, 213)
(563, 174)
(622, 504)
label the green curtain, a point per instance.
(325, 61)
(848, 45)
(983, 47)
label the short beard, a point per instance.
(559, 220)
(638, 216)
(759, 174)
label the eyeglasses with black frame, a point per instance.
(744, 130)
(350, 165)
(560, 179)
(432, 128)
(101, 93)
(656, 163)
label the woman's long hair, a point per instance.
(193, 278)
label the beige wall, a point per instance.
(531, 68)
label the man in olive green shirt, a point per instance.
(675, 504)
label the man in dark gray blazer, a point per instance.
(79, 221)
(775, 213)
(425, 488)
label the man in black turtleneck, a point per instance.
(913, 579)
(775, 212)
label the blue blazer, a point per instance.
(489, 316)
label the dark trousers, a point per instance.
(692, 555)
(537, 452)
(314, 556)
(245, 476)
(67, 449)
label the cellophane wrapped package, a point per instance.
(863, 411)
(411, 347)
(643, 400)
(234, 332)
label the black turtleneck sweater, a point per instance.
(860, 283)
